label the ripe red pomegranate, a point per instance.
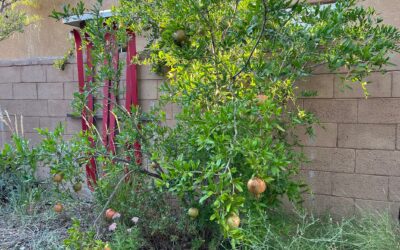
(110, 214)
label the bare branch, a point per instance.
(5, 4)
(112, 196)
(229, 23)
(141, 170)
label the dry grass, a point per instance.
(41, 229)
(277, 230)
(14, 123)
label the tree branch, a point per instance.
(141, 170)
(5, 4)
(229, 23)
(207, 20)
(257, 42)
(112, 196)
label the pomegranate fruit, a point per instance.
(261, 99)
(233, 221)
(193, 212)
(58, 207)
(179, 36)
(110, 214)
(77, 187)
(256, 186)
(58, 178)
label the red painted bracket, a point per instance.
(87, 117)
(106, 104)
(110, 98)
(132, 97)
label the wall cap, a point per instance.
(29, 61)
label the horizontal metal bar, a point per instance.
(100, 117)
(78, 20)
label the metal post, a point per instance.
(87, 118)
(110, 97)
(132, 97)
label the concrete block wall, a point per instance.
(37, 91)
(354, 157)
(42, 94)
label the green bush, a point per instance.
(78, 239)
(162, 223)
(13, 18)
(231, 66)
(18, 164)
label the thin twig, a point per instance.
(141, 170)
(229, 23)
(111, 196)
(5, 5)
(16, 125)
(213, 45)
(22, 125)
(257, 42)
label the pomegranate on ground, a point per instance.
(58, 207)
(58, 178)
(110, 214)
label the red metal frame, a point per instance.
(132, 97)
(110, 98)
(91, 169)
(106, 104)
(131, 74)
(89, 79)
(113, 97)
(87, 117)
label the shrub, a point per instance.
(13, 18)
(85, 240)
(18, 165)
(159, 220)
(231, 66)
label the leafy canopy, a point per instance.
(13, 18)
(231, 66)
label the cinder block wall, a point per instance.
(355, 157)
(42, 95)
(38, 92)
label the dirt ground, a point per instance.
(38, 227)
